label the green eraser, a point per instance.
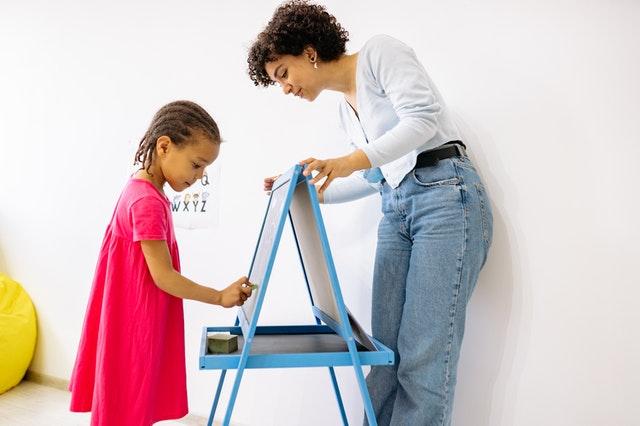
(221, 343)
(254, 286)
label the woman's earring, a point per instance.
(315, 65)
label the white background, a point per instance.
(548, 97)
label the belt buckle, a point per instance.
(461, 151)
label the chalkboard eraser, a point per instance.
(221, 343)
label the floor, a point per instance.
(31, 404)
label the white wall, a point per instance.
(548, 96)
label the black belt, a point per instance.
(449, 149)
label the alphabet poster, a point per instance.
(198, 206)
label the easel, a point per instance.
(341, 342)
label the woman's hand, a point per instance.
(268, 183)
(236, 294)
(335, 167)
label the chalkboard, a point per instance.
(294, 196)
(307, 225)
(313, 256)
(265, 249)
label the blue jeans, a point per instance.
(432, 243)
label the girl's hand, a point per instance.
(335, 167)
(268, 183)
(236, 294)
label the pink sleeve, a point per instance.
(149, 219)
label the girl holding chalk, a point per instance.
(130, 365)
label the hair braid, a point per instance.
(177, 120)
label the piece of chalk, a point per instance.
(221, 343)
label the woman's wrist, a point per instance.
(358, 160)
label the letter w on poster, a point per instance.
(198, 206)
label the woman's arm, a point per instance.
(347, 189)
(402, 78)
(156, 254)
(335, 167)
(400, 75)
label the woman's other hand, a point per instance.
(268, 183)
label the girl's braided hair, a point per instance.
(177, 120)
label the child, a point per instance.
(130, 366)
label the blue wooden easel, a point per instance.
(338, 342)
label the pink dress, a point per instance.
(130, 366)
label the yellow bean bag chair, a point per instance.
(17, 332)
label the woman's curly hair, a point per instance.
(295, 25)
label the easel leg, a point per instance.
(223, 373)
(366, 399)
(234, 391)
(334, 381)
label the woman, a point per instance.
(436, 230)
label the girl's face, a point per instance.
(296, 75)
(182, 165)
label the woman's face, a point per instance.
(296, 75)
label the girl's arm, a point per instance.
(156, 254)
